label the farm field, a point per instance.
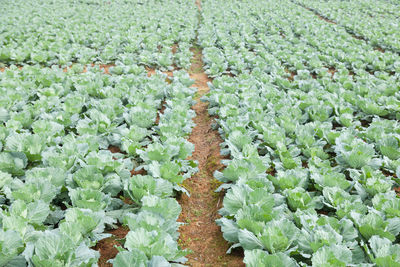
(200, 133)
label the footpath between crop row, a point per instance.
(200, 233)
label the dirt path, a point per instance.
(199, 211)
(198, 4)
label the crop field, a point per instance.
(168, 133)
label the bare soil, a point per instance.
(397, 190)
(174, 48)
(2, 69)
(106, 247)
(198, 4)
(380, 49)
(151, 72)
(104, 67)
(292, 74)
(200, 233)
(324, 18)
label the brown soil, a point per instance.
(139, 172)
(387, 173)
(397, 190)
(392, 175)
(4, 68)
(271, 171)
(106, 247)
(198, 4)
(174, 48)
(380, 49)
(163, 107)
(104, 67)
(332, 71)
(319, 16)
(292, 74)
(327, 20)
(200, 233)
(114, 149)
(151, 72)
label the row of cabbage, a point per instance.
(377, 21)
(85, 31)
(335, 47)
(304, 54)
(313, 139)
(61, 188)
